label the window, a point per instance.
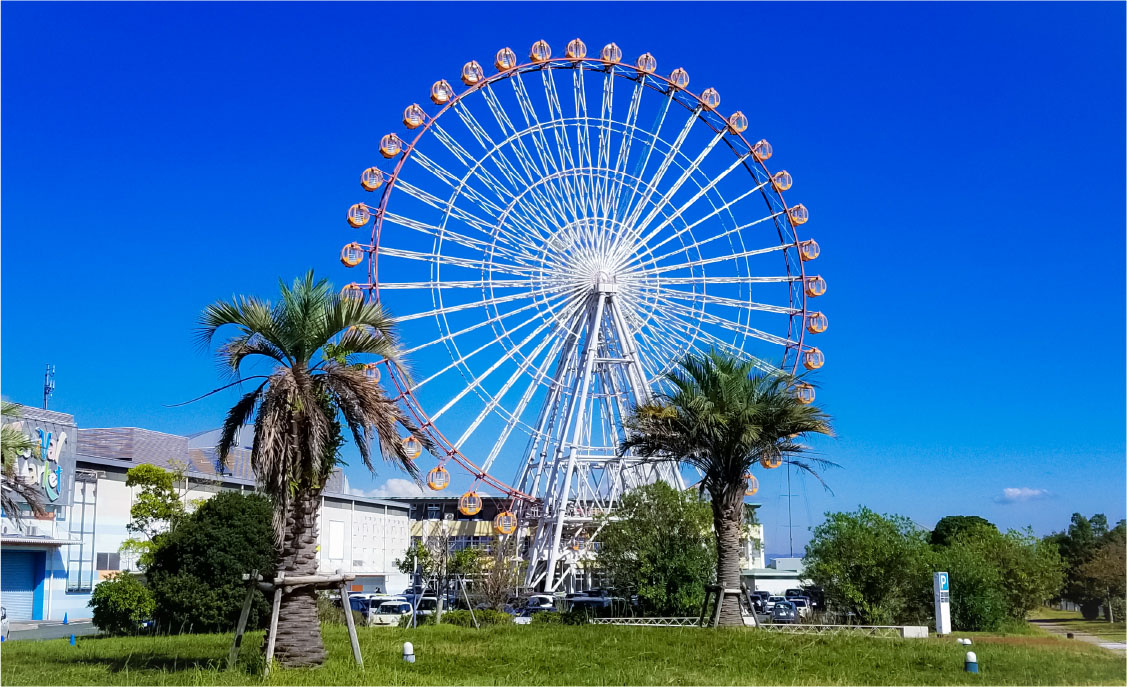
(336, 540)
(433, 511)
(109, 561)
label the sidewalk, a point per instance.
(1049, 626)
(49, 629)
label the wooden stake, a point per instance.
(351, 624)
(242, 626)
(273, 636)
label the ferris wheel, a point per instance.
(551, 240)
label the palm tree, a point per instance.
(723, 418)
(310, 339)
(13, 444)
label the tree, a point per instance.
(875, 566)
(439, 563)
(196, 573)
(1105, 571)
(951, 526)
(1078, 545)
(312, 340)
(997, 578)
(500, 574)
(13, 444)
(658, 546)
(121, 603)
(723, 419)
(156, 509)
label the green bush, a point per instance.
(421, 620)
(121, 604)
(196, 573)
(576, 617)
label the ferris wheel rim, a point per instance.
(618, 70)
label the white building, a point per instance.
(50, 565)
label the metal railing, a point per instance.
(883, 631)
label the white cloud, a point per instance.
(1020, 495)
(392, 487)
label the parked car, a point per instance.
(784, 612)
(389, 612)
(427, 605)
(803, 605)
(540, 601)
(3, 622)
(793, 592)
(525, 615)
(759, 600)
(771, 601)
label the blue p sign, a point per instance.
(943, 587)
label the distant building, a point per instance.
(783, 574)
(51, 564)
(429, 513)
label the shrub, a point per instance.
(196, 573)
(121, 604)
(421, 620)
(577, 617)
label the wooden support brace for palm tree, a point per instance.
(714, 590)
(284, 585)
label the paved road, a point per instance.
(50, 630)
(1049, 626)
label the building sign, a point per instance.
(941, 583)
(49, 465)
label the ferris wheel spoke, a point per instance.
(519, 258)
(677, 213)
(670, 155)
(676, 186)
(731, 325)
(630, 126)
(547, 199)
(462, 358)
(451, 336)
(474, 264)
(708, 261)
(548, 163)
(640, 166)
(438, 312)
(465, 284)
(716, 342)
(732, 302)
(504, 165)
(695, 245)
(495, 399)
(509, 353)
(606, 113)
(741, 279)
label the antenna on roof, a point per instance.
(48, 384)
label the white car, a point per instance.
(389, 613)
(771, 601)
(3, 622)
(802, 605)
(540, 601)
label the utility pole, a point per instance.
(48, 384)
(790, 512)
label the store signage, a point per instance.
(42, 466)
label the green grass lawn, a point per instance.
(1074, 622)
(554, 655)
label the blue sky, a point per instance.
(963, 164)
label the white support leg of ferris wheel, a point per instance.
(564, 465)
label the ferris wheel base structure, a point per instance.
(573, 464)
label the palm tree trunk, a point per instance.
(299, 641)
(727, 519)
